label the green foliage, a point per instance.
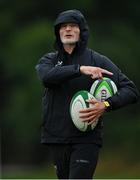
(23, 54)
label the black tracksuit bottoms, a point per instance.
(75, 161)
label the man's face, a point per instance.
(69, 33)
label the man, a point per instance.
(71, 68)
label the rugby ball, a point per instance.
(77, 103)
(103, 88)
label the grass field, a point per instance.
(106, 169)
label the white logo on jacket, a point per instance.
(59, 63)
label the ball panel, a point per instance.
(103, 85)
(103, 89)
(94, 86)
(103, 93)
(114, 87)
(82, 93)
(76, 106)
(77, 103)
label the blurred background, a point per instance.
(26, 34)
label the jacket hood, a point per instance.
(74, 16)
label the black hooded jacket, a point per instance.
(61, 77)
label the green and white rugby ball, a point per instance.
(102, 89)
(78, 102)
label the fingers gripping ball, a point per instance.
(102, 89)
(78, 102)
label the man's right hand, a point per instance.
(94, 72)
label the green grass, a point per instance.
(117, 169)
(29, 172)
(107, 168)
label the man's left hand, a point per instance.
(92, 113)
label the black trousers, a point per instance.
(75, 161)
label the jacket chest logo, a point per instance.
(59, 63)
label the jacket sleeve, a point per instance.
(51, 73)
(127, 92)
